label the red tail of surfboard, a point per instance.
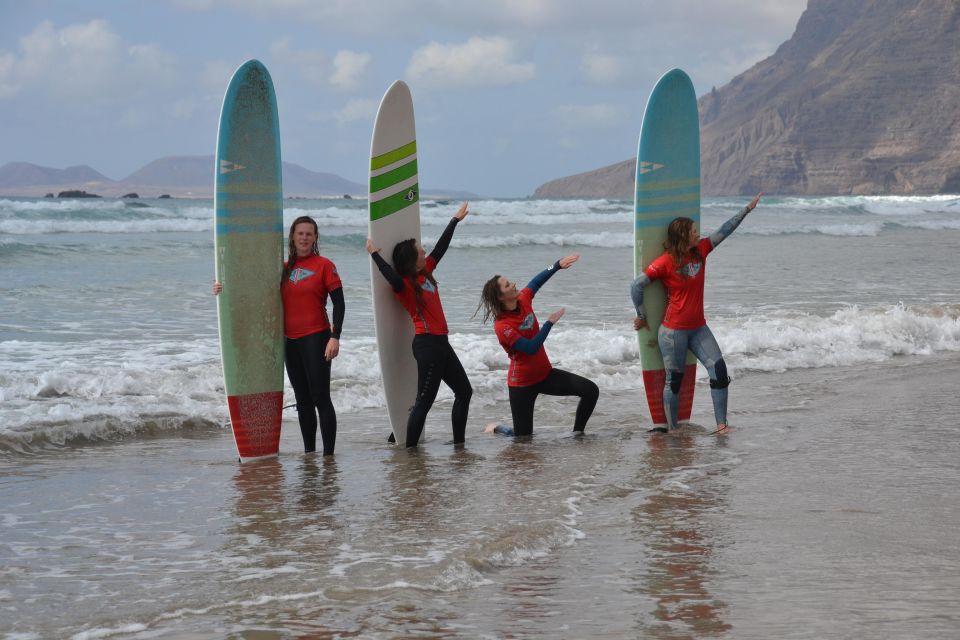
(256, 421)
(653, 383)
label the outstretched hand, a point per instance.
(371, 248)
(569, 260)
(217, 288)
(556, 315)
(753, 203)
(640, 323)
(463, 211)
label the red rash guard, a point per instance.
(430, 319)
(684, 288)
(305, 296)
(525, 369)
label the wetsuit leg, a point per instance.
(704, 346)
(564, 383)
(309, 374)
(673, 348)
(430, 353)
(456, 378)
(522, 401)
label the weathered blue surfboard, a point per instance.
(667, 186)
(249, 259)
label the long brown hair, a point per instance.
(490, 299)
(292, 248)
(405, 264)
(677, 242)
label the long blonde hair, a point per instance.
(676, 244)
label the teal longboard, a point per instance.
(394, 208)
(667, 187)
(249, 259)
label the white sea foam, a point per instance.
(62, 393)
(839, 215)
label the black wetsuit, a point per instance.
(436, 360)
(309, 374)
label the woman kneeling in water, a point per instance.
(521, 336)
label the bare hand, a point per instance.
(217, 288)
(556, 315)
(640, 323)
(333, 349)
(569, 260)
(464, 210)
(753, 203)
(371, 248)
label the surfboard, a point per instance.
(667, 186)
(248, 245)
(394, 209)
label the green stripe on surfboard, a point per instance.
(396, 202)
(378, 162)
(663, 185)
(392, 177)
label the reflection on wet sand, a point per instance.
(258, 510)
(672, 523)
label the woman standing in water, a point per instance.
(682, 268)
(522, 337)
(311, 340)
(411, 278)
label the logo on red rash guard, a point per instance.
(691, 269)
(299, 275)
(527, 322)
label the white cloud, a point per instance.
(216, 75)
(86, 61)
(477, 62)
(355, 110)
(348, 69)
(574, 116)
(311, 63)
(8, 85)
(519, 16)
(601, 68)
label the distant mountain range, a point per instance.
(178, 176)
(863, 99)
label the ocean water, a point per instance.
(830, 511)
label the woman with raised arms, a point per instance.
(411, 278)
(522, 337)
(682, 268)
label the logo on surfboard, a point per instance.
(647, 167)
(226, 166)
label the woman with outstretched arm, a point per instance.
(413, 284)
(682, 269)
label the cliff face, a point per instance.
(864, 98)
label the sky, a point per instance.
(508, 94)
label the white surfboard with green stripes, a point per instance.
(394, 206)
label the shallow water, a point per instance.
(828, 512)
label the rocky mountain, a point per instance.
(195, 172)
(17, 174)
(863, 99)
(179, 176)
